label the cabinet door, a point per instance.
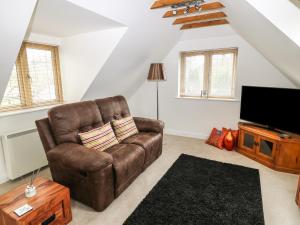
(247, 141)
(266, 148)
(288, 156)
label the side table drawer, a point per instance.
(52, 216)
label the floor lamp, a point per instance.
(156, 73)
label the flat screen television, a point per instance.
(275, 108)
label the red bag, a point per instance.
(231, 140)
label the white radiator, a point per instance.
(23, 152)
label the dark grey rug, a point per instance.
(198, 191)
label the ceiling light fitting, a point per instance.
(187, 9)
(187, 6)
(174, 9)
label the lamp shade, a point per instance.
(156, 72)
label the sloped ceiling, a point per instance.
(296, 3)
(60, 18)
(284, 14)
(14, 19)
(266, 37)
(148, 39)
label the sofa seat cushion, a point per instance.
(128, 162)
(151, 143)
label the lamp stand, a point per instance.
(156, 73)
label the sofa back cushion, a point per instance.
(68, 120)
(113, 108)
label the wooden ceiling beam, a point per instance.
(204, 7)
(208, 16)
(165, 3)
(204, 24)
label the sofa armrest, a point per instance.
(79, 158)
(149, 125)
(44, 130)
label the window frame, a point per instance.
(24, 80)
(207, 73)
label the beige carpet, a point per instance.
(278, 189)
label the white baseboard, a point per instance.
(3, 180)
(186, 134)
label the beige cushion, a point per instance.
(124, 128)
(99, 138)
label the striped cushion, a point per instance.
(124, 128)
(99, 138)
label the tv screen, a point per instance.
(277, 108)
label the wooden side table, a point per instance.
(51, 205)
(298, 194)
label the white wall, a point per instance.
(196, 118)
(42, 39)
(81, 58)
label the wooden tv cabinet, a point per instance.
(266, 147)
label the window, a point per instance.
(208, 74)
(35, 79)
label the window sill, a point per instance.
(209, 99)
(29, 110)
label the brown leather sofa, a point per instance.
(97, 178)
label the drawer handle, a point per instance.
(49, 220)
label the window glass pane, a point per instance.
(41, 75)
(266, 147)
(221, 79)
(194, 75)
(249, 141)
(12, 93)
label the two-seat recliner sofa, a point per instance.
(96, 178)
